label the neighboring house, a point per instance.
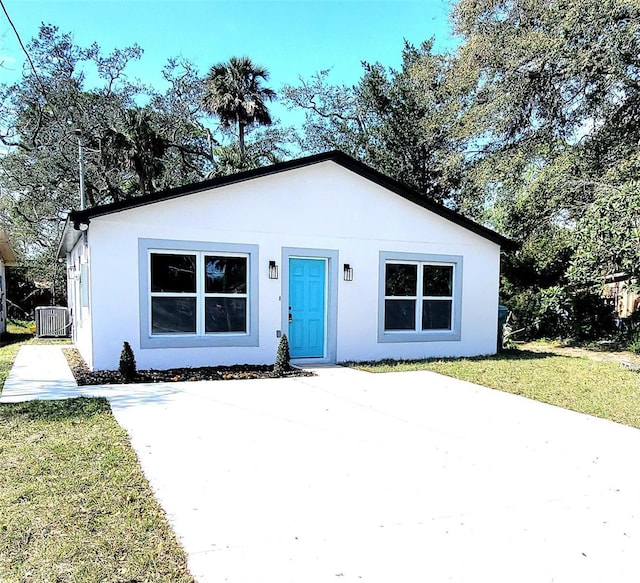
(7, 257)
(347, 262)
(622, 293)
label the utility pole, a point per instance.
(83, 202)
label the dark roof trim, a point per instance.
(84, 216)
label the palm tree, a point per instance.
(133, 143)
(234, 92)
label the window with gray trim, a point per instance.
(198, 293)
(420, 297)
(232, 288)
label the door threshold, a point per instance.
(311, 361)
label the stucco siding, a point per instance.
(3, 298)
(323, 206)
(79, 294)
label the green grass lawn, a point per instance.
(602, 389)
(18, 334)
(74, 504)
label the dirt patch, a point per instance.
(601, 354)
(84, 376)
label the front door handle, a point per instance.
(290, 315)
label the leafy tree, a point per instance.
(401, 122)
(235, 93)
(550, 119)
(40, 112)
(133, 143)
(608, 236)
(412, 136)
(335, 117)
(553, 97)
(39, 168)
(547, 71)
(265, 146)
(180, 117)
(128, 149)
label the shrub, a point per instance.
(283, 357)
(631, 333)
(558, 312)
(591, 317)
(634, 346)
(127, 365)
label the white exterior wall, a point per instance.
(79, 302)
(3, 298)
(322, 206)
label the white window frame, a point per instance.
(417, 334)
(148, 339)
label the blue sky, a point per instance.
(291, 38)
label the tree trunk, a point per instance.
(241, 138)
(210, 141)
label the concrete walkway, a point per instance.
(39, 372)
(348, 476)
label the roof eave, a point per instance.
(69, 237)
(411, 195)
(84, 216)
(340, 158)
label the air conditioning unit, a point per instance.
(52, 322)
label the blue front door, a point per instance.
(307, 307)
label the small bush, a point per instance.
(634, 343)
(283, 357)
(127, 366)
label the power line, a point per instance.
(24, 50)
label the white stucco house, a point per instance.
(7, 258)
(347, 262)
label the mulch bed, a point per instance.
(84, 376)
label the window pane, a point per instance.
(436, 314)
(84, 285)
(400, 280)
(437, 280)
(173, 273)
(399, 315)
(225, 275)
(173, 315)
(225, 315)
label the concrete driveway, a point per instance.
(409, 477)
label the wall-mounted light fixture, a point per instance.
(273, 270)
(348, 272)
(73, 272)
